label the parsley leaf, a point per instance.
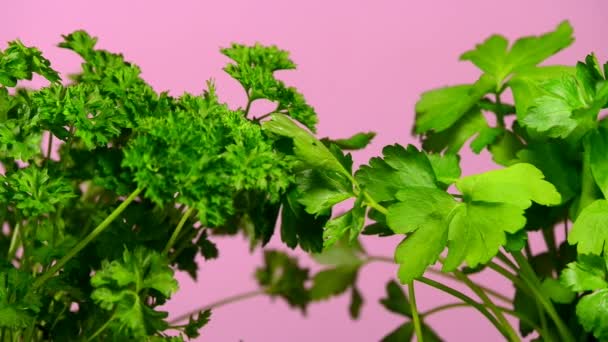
(121, 287)
(590, 230)
(588, 273)
(592, 314)
(495, 59)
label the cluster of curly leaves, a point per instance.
(86, 234)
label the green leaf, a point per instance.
(343, 253)
(396, 301)
(405, 332)
(557, 292)
(527, 84)
(590, 230)
(351, 222)
(306, 147)
(401, 167)
(440, 109)
(355, 142)
(494, 204)
(300, 227)
(558, 170)
(332, 282)
(518, 185)
(356, 302)
(119, 287)
(517, 241)
(588, 273)
(319, 190)
(19, 62)
(504, 149)
(196, 322)
(477, 231)
(452, 139)
(493, 56)
(446, 168)
(596, 144)
(487, 136)
(592, 313)
(282, 276)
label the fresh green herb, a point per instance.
(164, 175)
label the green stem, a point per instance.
(528, 275)
(49, 147)
(372, 203)
(177, 230)
(510, 276)
(84, 242)
(100, 330)
(467, 300)
(489, 304)
(505, 310)
(500, 118)
(15, 240)
(502, 257)
(489, 291)
(414, 309)
(248, 106)
(217, 304)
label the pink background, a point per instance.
(362, 65)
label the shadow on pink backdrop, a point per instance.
(361, 64)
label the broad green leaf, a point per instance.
(417, 207)
(477, 231)
(519, 185)
(342, 253)
(350, 223)
(557, 292)
(332, 282)
(494, 57)
(282, 276)
(558, 170)
(596, 144)
(590, 230)
(300, 227)
(320, 190)
(306, 147)
(588, 273)
(401, 167)
(446, 167)
(527, 84)
(356, 302)
(504, 149)
(452, 139)
(592, 313)
(396, 301)
(486, 136)
(421, 248)
(355, 142)
(440, 109)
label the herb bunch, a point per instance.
(144, 180)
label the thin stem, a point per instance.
(49, 147)
(177, 230)
(528, 275)
(489, 304)
(248, 106)
(217, 304)
(505, 273)
(500, 118)
(505, 310)
(467, 300)
(259, 118)
(100, 330)
(489, 291)
(87, 239)
(15, 240)
(414, 309)
(505, 259)
(372, 203)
